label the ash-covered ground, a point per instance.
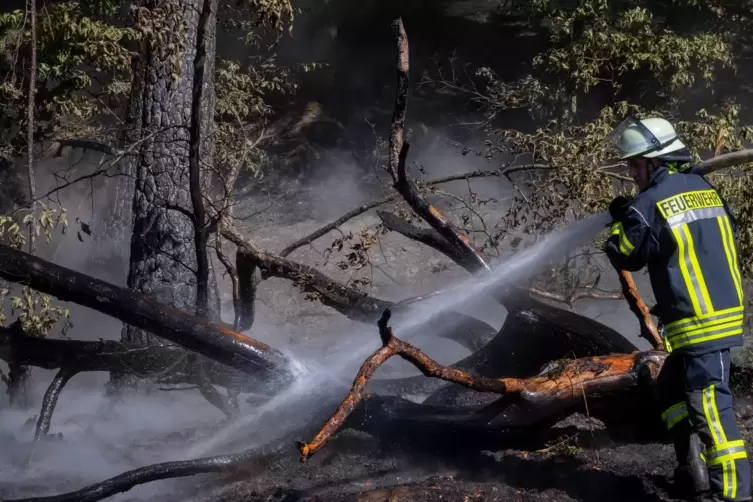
(576, 460)
(579, 463)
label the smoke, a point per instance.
(108, 437)
(102, 438)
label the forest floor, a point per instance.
(583, 464)
(578, 461)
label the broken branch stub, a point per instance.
(398, 153)
(191, 332)
(630, 291)
(562, 385)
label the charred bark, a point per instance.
(136, 309)
(525, 402)
(244, 298)
(398, 152)
(164, 108)
(428, 236)
(201, 145)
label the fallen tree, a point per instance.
(216, 342)
(526, 401)
(527, 405)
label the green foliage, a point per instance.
(35, 311)
(242, 109)
(600, 45)
(255, 17)
(82, 70)
(646, 58)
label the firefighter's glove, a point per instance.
(618, 207)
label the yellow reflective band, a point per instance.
(697, 272)
(702, 320)
(730, 450)
(675, 414)
(712, 416)
(698, 199)
(706, 326)
(729, 248)
(684, 340)
(623, 244)
(711, 413)
(694, 282)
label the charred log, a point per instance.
(114, 356)
(213, 341)
(166, 470)
(526, 405)
(525, 402)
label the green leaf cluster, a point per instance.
(644, 58)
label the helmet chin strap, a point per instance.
(651, 166)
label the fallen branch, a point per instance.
(50, 401)
(723, 161)
(564, 383)
(166, 470)
(427, 236)
(348, 301)
(580, 294)
(71, 357)
(352, 303)
(213, 341)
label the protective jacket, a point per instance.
(681, 228)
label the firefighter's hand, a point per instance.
(618, 206)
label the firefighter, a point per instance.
(683, 231)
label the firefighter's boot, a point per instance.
(691, 478)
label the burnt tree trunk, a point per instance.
(163, 261)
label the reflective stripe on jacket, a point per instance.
(682, 229)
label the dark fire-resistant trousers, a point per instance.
(695, 396)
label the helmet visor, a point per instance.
(617, 139)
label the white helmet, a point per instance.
(653, 137)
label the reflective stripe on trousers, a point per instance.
(707, 410)
(712, 416)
